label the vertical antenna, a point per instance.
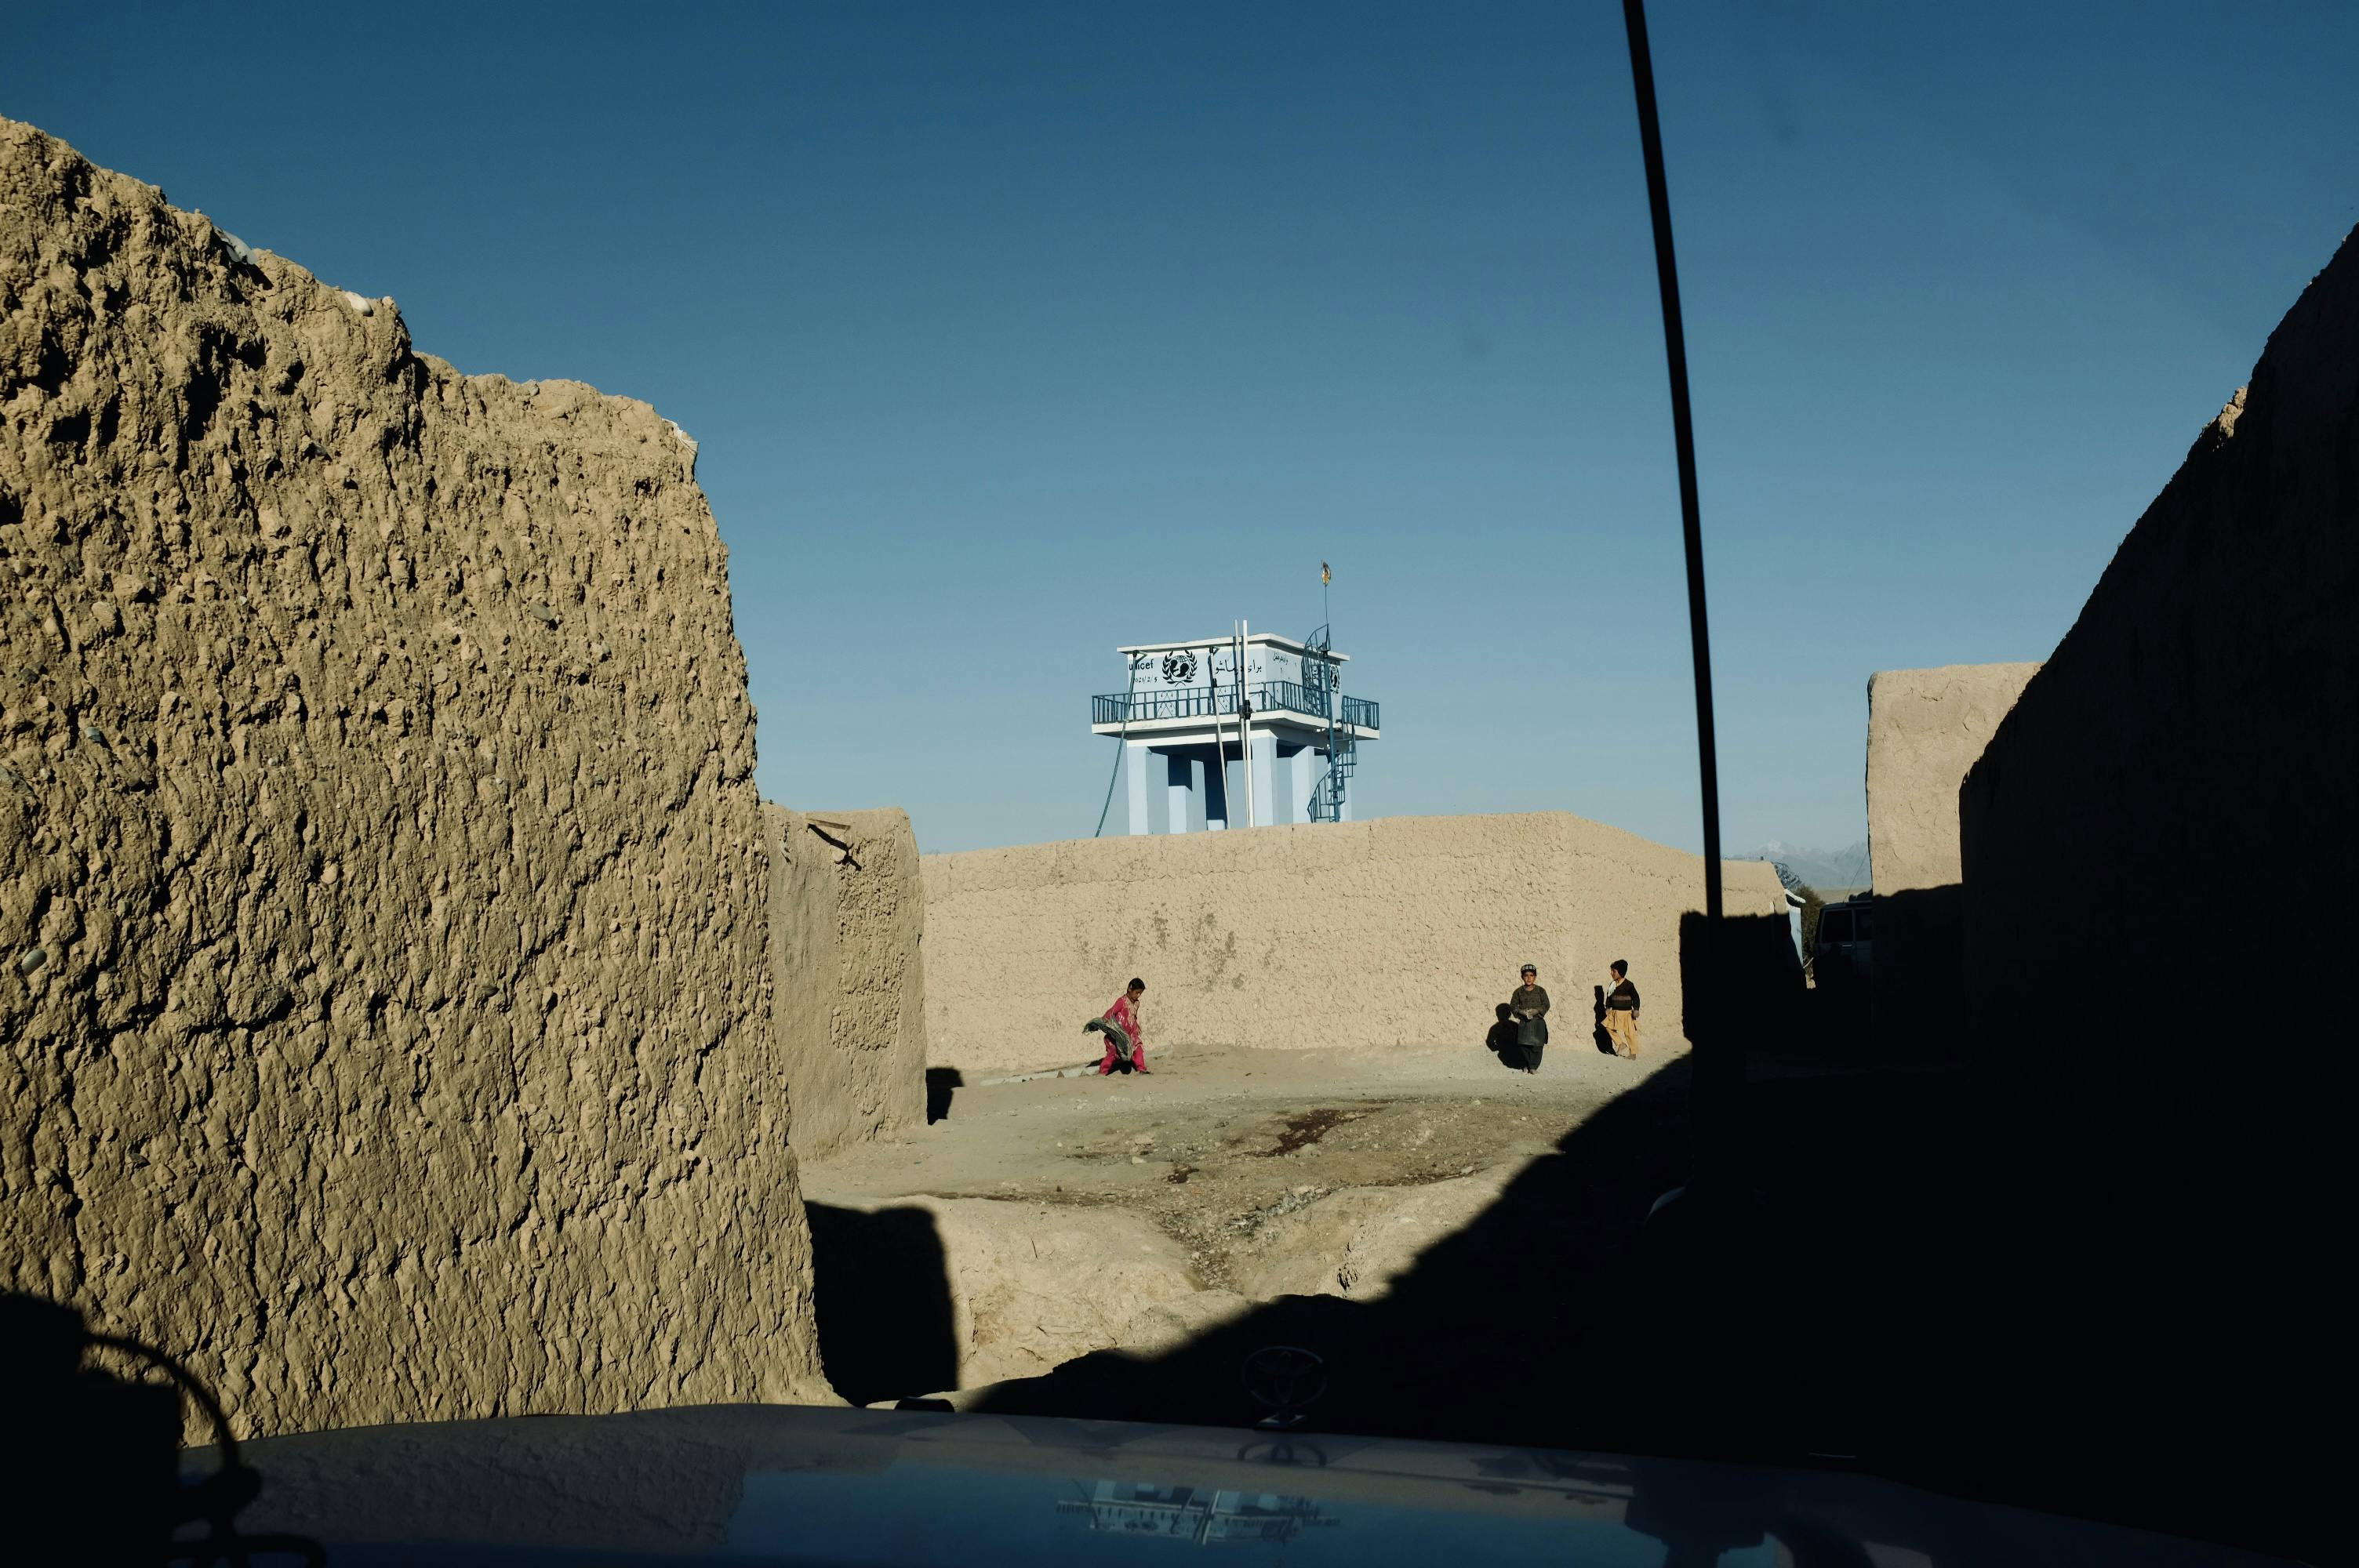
(1675, 350)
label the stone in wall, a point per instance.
(2159, 866)
(1925, 728)
(384, 1014)
(1404, 931)
(847, 918)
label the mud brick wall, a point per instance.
(1404, 931)
(847, 918)
(384, 985)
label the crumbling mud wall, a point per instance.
(2173, 793)
(847, 918)
(384, 1016)
(1925, 728)
(1401, 931)
(2158, 870)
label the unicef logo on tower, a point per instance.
(1180, 668)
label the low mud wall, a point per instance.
(1402, 931)
(385, 1014)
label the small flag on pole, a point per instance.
(1325, 577)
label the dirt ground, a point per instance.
(1470, 1253)
(1215, 1145)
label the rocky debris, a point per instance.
(1300, 1197)
(1355, 1241)
(386, 1028)
(1306, 1127)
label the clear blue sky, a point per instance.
(1012, 332)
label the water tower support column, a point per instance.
(1265, 767)
(1133, 770)
(1177, 787)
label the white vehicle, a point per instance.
(1846, 951)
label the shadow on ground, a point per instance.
(1490, 1337)
(1915, 1295)
(941, 1085)
(2120, 1301)
(1500, 1040)
(883, 1302)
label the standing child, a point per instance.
(1622, 1010)
(1529, 1006)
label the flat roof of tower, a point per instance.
(1292, 644)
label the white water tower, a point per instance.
(1253, 723)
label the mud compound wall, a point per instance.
(1404, 931)
(2171, 795)
(1925, 729)
(2159, 869)
(384, 1016)
(847, 917)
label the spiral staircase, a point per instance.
(1322, 680)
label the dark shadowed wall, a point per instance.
(2158, 865)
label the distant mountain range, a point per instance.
(1822, 869)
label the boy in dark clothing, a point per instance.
(1530, 1005)
(1622, 1010)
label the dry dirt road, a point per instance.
(1214, 1143)
(1042, 1221)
